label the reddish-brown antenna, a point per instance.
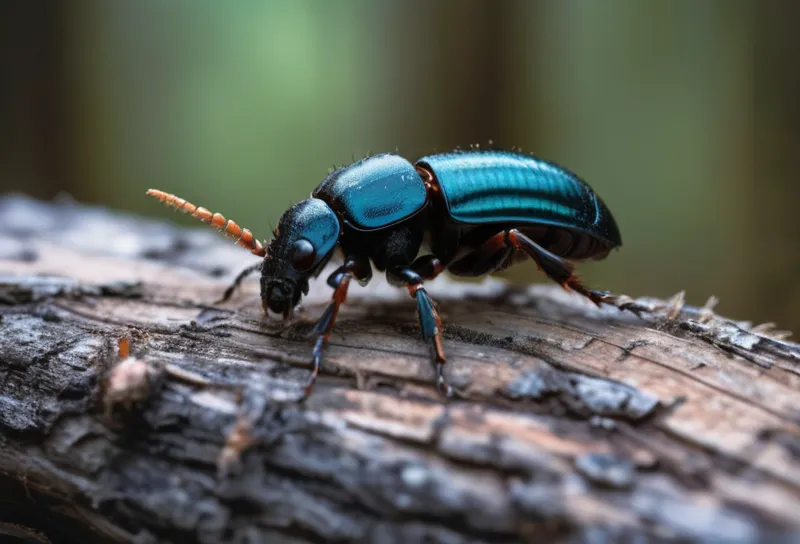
(243, 237)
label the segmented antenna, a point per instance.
(243, 237)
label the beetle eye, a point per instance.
(303, 255)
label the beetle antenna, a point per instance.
(243, 237)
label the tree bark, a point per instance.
(571, 423)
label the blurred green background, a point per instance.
(682, 114)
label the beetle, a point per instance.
(477, 212)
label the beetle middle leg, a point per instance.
(340, 281)
(430, 324)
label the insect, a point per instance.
(477, 211)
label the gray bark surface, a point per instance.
(572, 424)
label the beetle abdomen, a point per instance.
(374, 193)
(482, 187)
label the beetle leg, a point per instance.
(430, 323)
(562, 271)
(242, 275)
(340, 281)
(427, 266)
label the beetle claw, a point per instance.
(441, 383)
(633, 307)
(625, 303)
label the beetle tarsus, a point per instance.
(316, 363)
(237, 282)
(441, 383)
(623, 303)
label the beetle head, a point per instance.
(304, 242)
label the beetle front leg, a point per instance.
(340, 281)
(239, 279)
(430, 323)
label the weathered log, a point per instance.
(572, 423)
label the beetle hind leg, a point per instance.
(561, 270)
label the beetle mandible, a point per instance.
(478, 210)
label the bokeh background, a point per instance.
(682, 114)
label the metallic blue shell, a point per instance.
(502, 186)
(374, 193)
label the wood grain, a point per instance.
(572, 423)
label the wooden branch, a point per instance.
(573, 423)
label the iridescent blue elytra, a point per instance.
(502, 186)
(479, 211)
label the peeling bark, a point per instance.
(573, 423)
